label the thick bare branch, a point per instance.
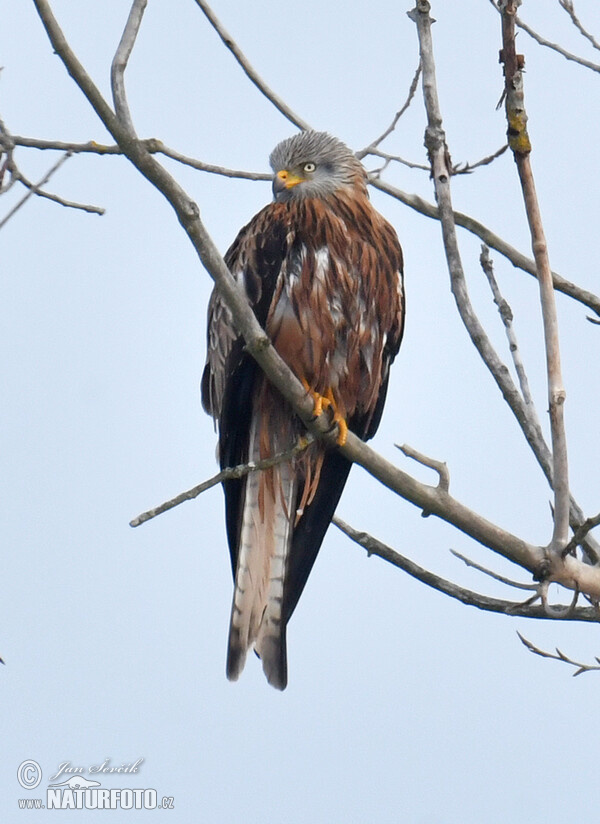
(518, 140)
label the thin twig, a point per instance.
(370, 149)
(34, 190)
(560, 656)
(249, 71)
(555, 47)
(507, 319)
(119, 64)
(581, 532)
(152, 146)
(467, 168)
(209, 167)
(397, 159)
(239, 471)
(518, 140)
(570, 9)
(71, 204)
(495, 575)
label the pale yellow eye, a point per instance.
(309, 167)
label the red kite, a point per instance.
(323, 272)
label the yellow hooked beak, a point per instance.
(285, 180)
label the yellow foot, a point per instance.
(320, 402)
(337, 418)
(327, 401)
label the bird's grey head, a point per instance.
(313, 164)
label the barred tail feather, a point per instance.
(265, 538)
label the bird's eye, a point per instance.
(309, 167)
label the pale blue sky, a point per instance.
(402, 705)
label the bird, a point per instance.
(323, 273)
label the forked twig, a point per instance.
(35, 188)
(438, 466)
(560, 656)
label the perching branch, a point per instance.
(518, 140)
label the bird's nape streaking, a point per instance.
(322, 270)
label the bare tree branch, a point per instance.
(119, 64)
(467, 168)
(518, 140)
(570, 9)
(492, 240)
(581, 533)
(152, 146)
(249, 71)
(560, 656)
(465, 596)
(555, 47)
(507, 319)
(508, 581)
(438, 466)
(34, 189)
(225, 475)
(370, 149)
